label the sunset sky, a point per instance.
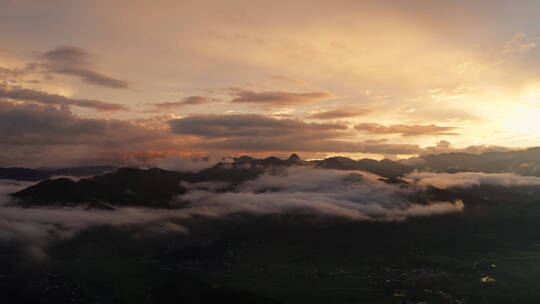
(95, 82)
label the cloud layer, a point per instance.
(405, 130)
(276, 98)
(75, 61)
(190, 100)
(339, 113)
(471, 179)
(356, 195)
(20, 94)
(218, 126)
(28, 124)
(317, 192)
(243, 132)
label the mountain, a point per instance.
(26, 174)
(156, 187)
(152, 187)
(122, 186)
(385, 168)
(523, 162)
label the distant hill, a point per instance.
(26, 174)
(156, 187)
(124, 187)
(523, 162)
(385, 168)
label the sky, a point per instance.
(107, 82)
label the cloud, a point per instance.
(21, 94)
(10, 186)
(75, 61)
(470, 179)
(68, 55)
(519, 43)
(92, 77)
(23, 124)
(293, 80)
(340, 113)
(252, 125)
(356, 196)
(15, 76)
(443, 144)
(38, 135)
(278, 98)
(191, 100)
(405, 130)
(251, 132)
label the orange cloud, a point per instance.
(405, 130)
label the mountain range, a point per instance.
(155, 187)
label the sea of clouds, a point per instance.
(321, 193)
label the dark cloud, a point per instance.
(340, 113)
(405, 130)
(191, 100)
(263, 133)
(278, 98)
(30, 124)
(36, 135)
(250, 125)
(33, 135)
(92, 77)
(75, 61)
(68, 55)
(21, 94)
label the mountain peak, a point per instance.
(294, 159)
(294, 156)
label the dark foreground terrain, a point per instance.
(488, 254)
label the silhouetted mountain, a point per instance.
(385, 168)
(157, 187)
(272, 161)
(524, 162)
(125, 187)
(26, 174)
(122, 186)
(294, 159)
